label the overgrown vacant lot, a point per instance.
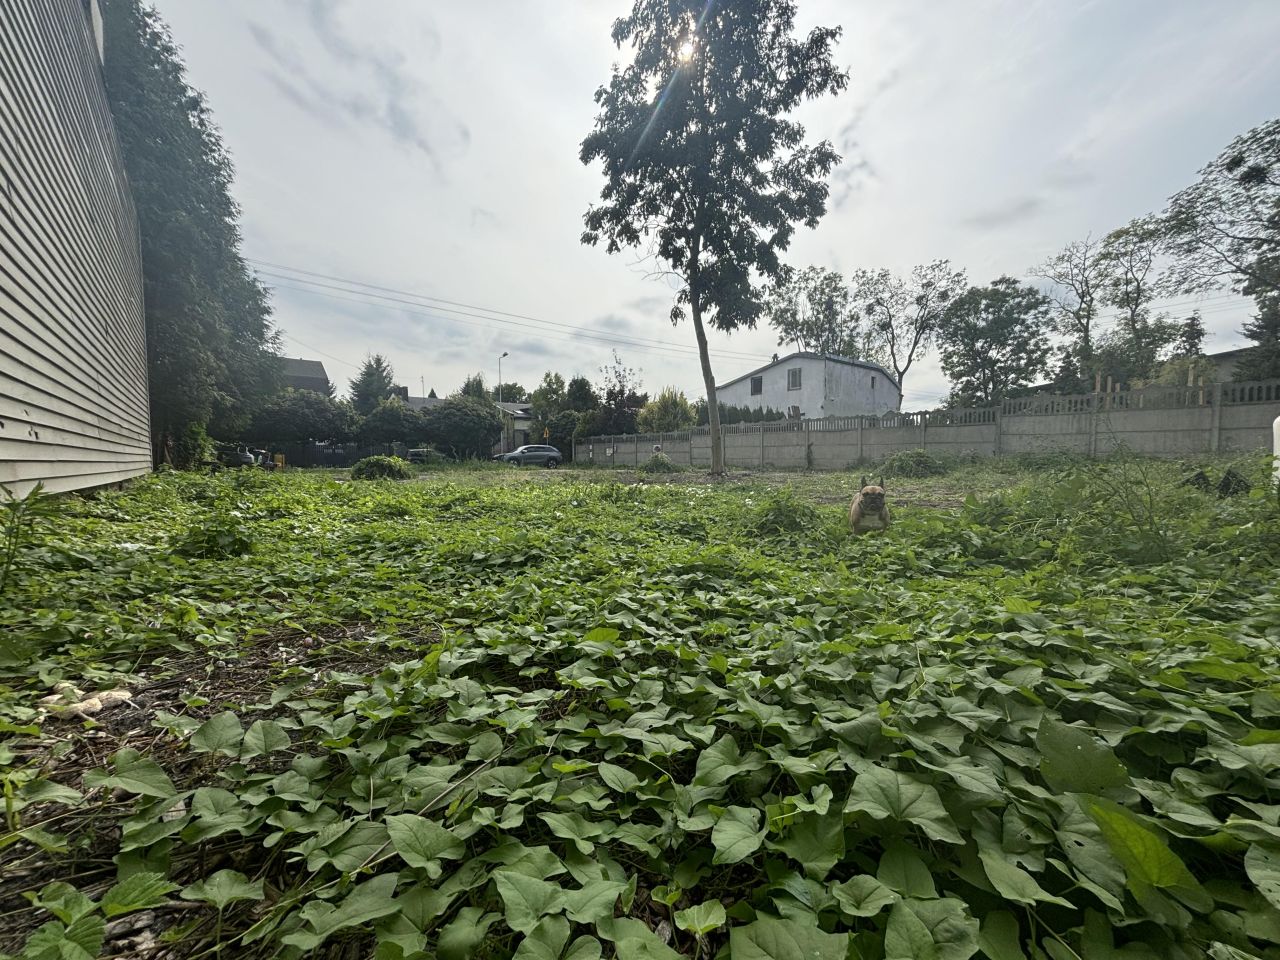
(559, 716)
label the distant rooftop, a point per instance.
(809, 355)
(309, 369)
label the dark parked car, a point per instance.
(532, 453)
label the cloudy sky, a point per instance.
(431, 150)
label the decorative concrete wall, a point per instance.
(1156, 421)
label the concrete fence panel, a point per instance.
(1155, 421)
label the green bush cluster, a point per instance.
(913, 464)
(381, 468)
(659, 463)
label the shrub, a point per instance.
(781, 511)
(659, 463)
(381, 468)
(219, 535)
(913, 464)
(464, 426)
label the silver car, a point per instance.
(532, 453)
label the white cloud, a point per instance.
(434, 149)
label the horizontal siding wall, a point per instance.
(73, 362)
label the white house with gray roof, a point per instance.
(813, 386)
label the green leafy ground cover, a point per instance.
(557, 716)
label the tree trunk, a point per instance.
(709, 381)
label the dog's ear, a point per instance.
(880, 483)
(862, 483)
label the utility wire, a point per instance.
(667, 351)
(405, 297)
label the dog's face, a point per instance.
(872, 496)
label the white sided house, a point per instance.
(811, 386)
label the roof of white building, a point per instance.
(807, 355)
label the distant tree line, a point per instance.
(1096, 297)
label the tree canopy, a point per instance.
(392, 421)
(511, 392)
(465, 426)
(702, 164)
(301, 415)
(473, 387)
(668, 412)
(211, 348)
(580, 396)
(1224, 229)
(375, 383)
(812, 310)
(903, 314)
(993, 341)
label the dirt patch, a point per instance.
(196, 686)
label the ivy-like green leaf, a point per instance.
(135, 773)
(420, 841)
(618, 778)
(366, 902)
(263, 737)
(462, 936)
(938, 929)
(545, 941)
(702, 918)
(1014, 883)
(221, 733)
(527, 899)
(771, 939)
(736, 835)
(223, 888)
(863, 896)
(998, 937)
(1075, 762)
(1263, 867)
(594, 901)
(892, 795)
(722, 760)
(136, 892)
(1146, 858)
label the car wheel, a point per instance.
(514, 462)
(552, 463)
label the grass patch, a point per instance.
(490, 710)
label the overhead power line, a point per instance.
(508, 318)
(669, 352)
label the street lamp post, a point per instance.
(503, 444)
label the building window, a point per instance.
(757, 386)
(793, 378)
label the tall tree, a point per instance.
(993, 341)
(904, 314)
(1224, 229)
(474, 386)
(465, 426)
(701, 160)
(811, 309)
(1126, 277)
(1190, 337)
(621, 400)
(548, 398)
(1263, 362)
(211, 349)
(1128, 282)
(300, 415)
(1075, 276)
(581, 396)
(392, 421)
(375, 383)
(667, 412)
(509, 393)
